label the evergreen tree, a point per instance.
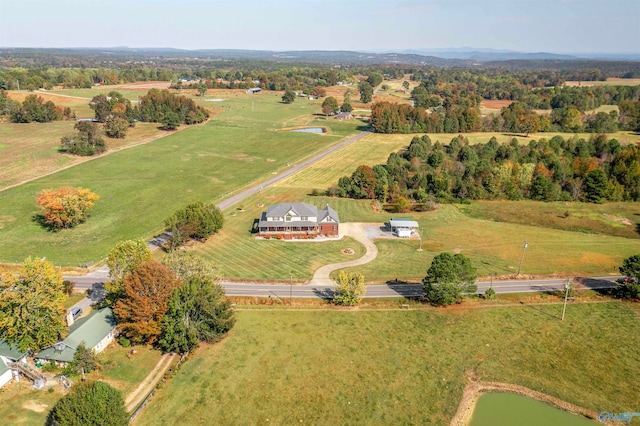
(90, 403)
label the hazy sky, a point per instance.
(564, 26)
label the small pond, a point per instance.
(310, 130)
(498, 408)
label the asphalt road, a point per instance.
(391, 289)
(297, 167)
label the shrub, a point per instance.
(124, 342)
(490, 294)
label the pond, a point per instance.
(310, 130)
(510, 409)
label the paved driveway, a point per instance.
(359, 232)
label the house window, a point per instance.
(304, 218)
(287, 218)
(335, 227)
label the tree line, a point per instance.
(460, 113)
(573, 169)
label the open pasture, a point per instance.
(141, 186)
(400, 367)
(615, 219)
(608, 82)
(31, 150)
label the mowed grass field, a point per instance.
(400, 367)
(140, 187)
(593, 240)
(31, 150)
(240, 255)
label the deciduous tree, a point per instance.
(116, 127)
(87, 141)
(330, 105)
(147, 292)
(122, 260)
(349, 288)
(197, 220)
(366, 92)
(90, 403)
(289, 96)
(32, 305)
(318, 92)
(448, 277)
(65, 207)
(188, 264)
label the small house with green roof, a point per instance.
(9, 356)
(96, 330)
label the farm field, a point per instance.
(30, 150)
(599, 246)
(400, 367)
(608, 82)
(141, 186)
(616, 219)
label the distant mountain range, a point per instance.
(486, 55)
(466, 56)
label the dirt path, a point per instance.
(136, 397)
(62, 96)
(357, 232)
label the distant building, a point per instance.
(344, 116)
(254, 90)
(298, 220)
(96, 330)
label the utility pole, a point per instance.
(491, 285)
(526, 244)
(291, 290)
(566, 294)
(420, 236)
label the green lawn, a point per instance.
(400, 367)
(141, 186)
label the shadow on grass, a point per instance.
(540, 310)
(40, 220)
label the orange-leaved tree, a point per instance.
(147, 292)
(65, 207)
